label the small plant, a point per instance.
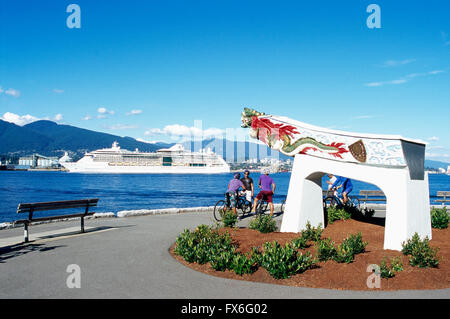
(421, 254)
(325, 249)
(337, 214)
(202, 245)
(439, 218)
(368, 213)
(244, 264)
(283, 262)
(396, 264)
(407, 247)
(263, 223)
(390, 271)
(229, 219)
(299, 242)
(223, 260)
(312, 233)
(351, 246)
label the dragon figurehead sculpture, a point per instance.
(290, 139)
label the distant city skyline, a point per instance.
(156, 70)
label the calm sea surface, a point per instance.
(140, 191)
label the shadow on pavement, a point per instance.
(22, 249)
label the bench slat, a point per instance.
(23, 221)
(26, 207)
(42, 208)
(364, 192)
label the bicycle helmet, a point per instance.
(247, 171)
(237, 175)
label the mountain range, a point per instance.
(51, 139)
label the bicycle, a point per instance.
(242, 205)
(335, 201)
(261, 207)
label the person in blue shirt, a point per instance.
(346, 184)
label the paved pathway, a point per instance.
(128, 258)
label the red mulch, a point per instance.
(333, 275)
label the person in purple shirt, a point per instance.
(232, 192)
(267, 186)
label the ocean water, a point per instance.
(138, 191)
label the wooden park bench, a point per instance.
(445, 195)
(30, 208)
(371, 196)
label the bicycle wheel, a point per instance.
(261, 207)
(247, 207)
(283, 203)
(329, 201)
(241, 205)
(219, 210)
(354, 201)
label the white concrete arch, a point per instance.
(407, 199)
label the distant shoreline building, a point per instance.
(38, 161)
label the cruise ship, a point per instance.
(175, 160)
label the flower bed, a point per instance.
(330, 273)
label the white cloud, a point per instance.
(103, 113)
(87, 118)
(400, 81)
(12, 92)
(145, 141)
(372, 84)
(122, 127)
(19, 119)
(433, 138)
(436, 147)
(393, 63)
(58, 117)
(404, 79)
(360, 117)
(182, 130)
(437, 155)
(1, 90)
(58, 91)
(134, 112)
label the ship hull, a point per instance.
(104, 168)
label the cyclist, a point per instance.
(267, 186)
(346, 185)
(232, 192)
(248, 183)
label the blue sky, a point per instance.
(149, 69)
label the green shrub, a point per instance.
(407, 247)
(222, 261)
(263, 223)
(283, 262)
(368, 213)
(337, 214)
(390, 271)
(385, 270)
(229, 219)
(359, 214)
(421, 254)
(202, 245)
(396, 264)
(439, 218)
(312, 233)
(244, 264)
(299, 242)
(350, 246)
(326, 249)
